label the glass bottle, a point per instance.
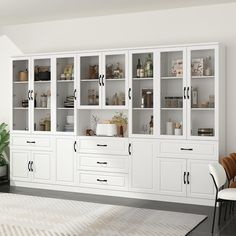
(141, 71)
(138, 68)
(151, 126)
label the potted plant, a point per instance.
(121, 120)
(4, 142)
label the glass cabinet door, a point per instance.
(42, 94)
(21, 95)
(90, 81)
(65, 94)
(114, 81)
(202, 90)
(142, 74)
(172, 83)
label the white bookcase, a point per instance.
(172, 96)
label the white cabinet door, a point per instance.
(20, 165)
(141, 165)
(201, 184)
(41, 167)
(172, 176)
(65, 160)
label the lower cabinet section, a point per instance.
(102, 180)
(187, 178)
(142, 165)
(31, 166)
(65, 160)
(135, 166)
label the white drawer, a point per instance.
(99, 145)
(185, 149)
(31, 142)
(98, 180)
(103, 163)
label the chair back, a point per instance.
(233, 156)
(230, 167)
(218, 173)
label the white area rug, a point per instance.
(22, 215)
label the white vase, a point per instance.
(3, 171)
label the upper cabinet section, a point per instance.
(172, 85)
(42, 86)
(66, 94)
(163, 92)
(21, 94)
(142, 92)
(103, 80)
(203, 86)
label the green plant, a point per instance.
(4, 142)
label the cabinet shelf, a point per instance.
(89, 80)
(171, 78)
(203, 77)
(172, 109)
(65, 108)
(20, 108)
(42, 108)
(65, 81)
(142, 109)
(202, 109)
(122, 79)
(138, 79)
(21, 82)
(42, 81)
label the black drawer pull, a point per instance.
(102, 145)
(75, 146)
(101, 163)
(186, 149)
(29, 166)
(129, 93)
(184, 92)
(102, 180)
(30, 142)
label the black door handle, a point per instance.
(129, 93)
(184, 177)
(188, 92)
(102, 145)
(75, 94)
(75, 146)
(184, 92)
(29, 166)
(187, 177)
(129, 149)
(29, 95)
(186, 149)
(103, 76)
(99, 80)
(101, 180)
(101, 163)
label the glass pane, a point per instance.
(20, 95)
(142, 93)
(171, 93)
(203, 92)
(89, 83)
(115, 80)
(42, 95)
(65, 94)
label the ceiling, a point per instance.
(29, 11)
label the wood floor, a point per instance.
(228, 227)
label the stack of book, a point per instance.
(69, 102)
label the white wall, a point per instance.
(189, 25)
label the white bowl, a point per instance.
(70, 119)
